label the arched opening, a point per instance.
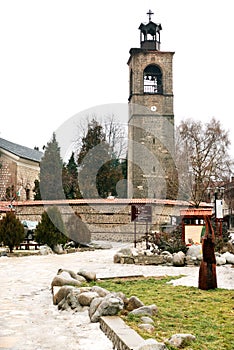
(27, 194)
(153, 80)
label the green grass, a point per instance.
(209, 315)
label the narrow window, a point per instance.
(131, 82)
(27, 194)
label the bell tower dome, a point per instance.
(151, 116)
(150, 34)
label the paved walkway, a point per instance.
(29, 320)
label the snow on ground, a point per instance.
(30, 321)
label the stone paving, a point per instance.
(30, 321)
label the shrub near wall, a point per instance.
(11, 231)
(51, 229)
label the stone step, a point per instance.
(122, 336)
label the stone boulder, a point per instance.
(151, 344)
(220, 260)
(72, 300)
(181, 340)
(61, 294)
(178, 259)
(195, 251)
(3, 252)
(146, 319)
(67, 274)
(168, 257)
(229, 257)
(149, 328)
(109, 305)
(88, 275)
(102, 292)
(123, 253)
(100, 245)
(58, 249)
(86, 298)
(60, 281)
(133, 303)
(150, 310)
(45, 250)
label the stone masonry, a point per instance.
(106, 219)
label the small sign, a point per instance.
(141, 213)
(219, 208)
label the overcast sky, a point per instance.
(59, 58)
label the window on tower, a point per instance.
(153, 80)
(131, 82)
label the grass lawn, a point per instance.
(209, 315)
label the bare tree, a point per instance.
(116, 135)
(114, 131)
(202, 157)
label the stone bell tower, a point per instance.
(151, 166)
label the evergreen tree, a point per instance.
(107, 178)
(124, 165)
(70, 179)
(99, 168)
(51, 230)
(51, 172)
(11, 231)
(94, 137)
(94, 152)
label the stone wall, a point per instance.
(106, 219)
(20, 173)
(7, 175)
(26, 175)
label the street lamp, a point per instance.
(218, 206)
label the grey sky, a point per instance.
(59, 58)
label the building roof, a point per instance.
(21, 151)
(117, 201)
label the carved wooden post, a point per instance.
(207, 272)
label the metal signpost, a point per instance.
(141, 213)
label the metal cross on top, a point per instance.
(150, 13)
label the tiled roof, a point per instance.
(21, 151)
(121, 201)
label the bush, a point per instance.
(172, 242)
(221, 240)
(51, 230)
(11, 231)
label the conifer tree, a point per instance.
(99, 169)
(70, 179)
(107, 178)
(51, 229)
(93, 153)
(11, 231)
(51, 172)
